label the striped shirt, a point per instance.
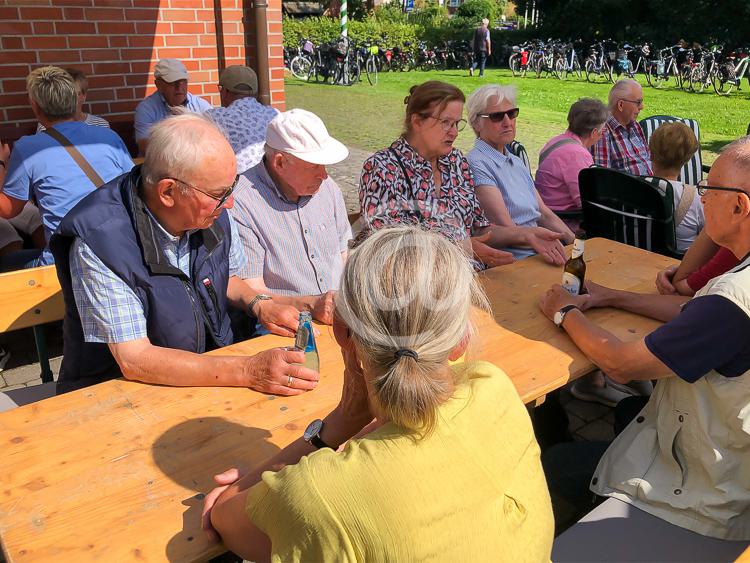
(109, 309)
(90, 119)
(509, 174)
(294, 246)
(623, 148)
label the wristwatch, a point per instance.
(256, 299)
(312, 434)
(560, 315)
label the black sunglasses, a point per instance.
(220, 199)
(498, 116)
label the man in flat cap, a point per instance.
(171, 97)
(242, 117)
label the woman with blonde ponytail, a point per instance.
(421, 459)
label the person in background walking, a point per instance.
(482, 47)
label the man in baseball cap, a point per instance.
(242, 117)
(293, 221)
(171, 96)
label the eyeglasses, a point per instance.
(221, 199)
(448, 124)
(498, 116)
(703, 187)
(636, 102)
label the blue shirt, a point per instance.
(109, 309)
(41, 168)
(507, 173)
(154, 108)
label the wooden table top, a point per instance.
(30, 297)
(116, 471)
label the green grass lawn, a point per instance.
(370, 117)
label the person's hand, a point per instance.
(224, 480)
(323, 308)
(664, 281)
(547, 244)
(279, 319)
(599, 295)
(557, 297)
(279, 371)
(489, 256)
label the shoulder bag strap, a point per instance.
(75, 155)
(403, 168)
(544, 154)
(686, 200)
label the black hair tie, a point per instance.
(401, 352)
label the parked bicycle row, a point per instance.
(344, 62)
(693, 69)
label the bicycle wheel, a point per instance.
(577, 68)
(300, 67)
(538, 66)
(353, 72)
(697, 83)
(371, 70)
(608, 72)
(723, 81)
(561, 70)
(514, 64)
(590, 69)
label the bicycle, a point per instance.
(729, 75)
(663, 68)
(544, 61)
(519, 59)
(597, 63)
(371, 63)
(567, 62)
(301, 63)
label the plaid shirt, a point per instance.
(623, 148)
(110, 310)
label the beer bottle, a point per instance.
(574, 272)
(305, 341)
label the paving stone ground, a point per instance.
(588, 421)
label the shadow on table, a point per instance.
(191, 453)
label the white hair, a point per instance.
(739, 152)
(407, 288)
(483, 97)
(619, 90)
(177, 146)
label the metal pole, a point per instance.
(345, 33)
(525, 15)
(533, 9)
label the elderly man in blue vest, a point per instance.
(685, 457)
(149, 265)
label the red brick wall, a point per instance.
(118, 42)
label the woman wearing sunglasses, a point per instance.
(422, 179)
(505, 189)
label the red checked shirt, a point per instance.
(623, 148)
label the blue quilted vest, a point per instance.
(182, 313)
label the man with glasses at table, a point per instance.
(684, 458)
(149, 266)
(623, 145)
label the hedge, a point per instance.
(322, 29)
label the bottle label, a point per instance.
(577, 251)
(571, 283)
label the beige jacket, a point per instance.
(686, 456)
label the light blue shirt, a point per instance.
(154, 108)
(40, 168)
(109, 309)
(507, 173)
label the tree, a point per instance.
(476, 10)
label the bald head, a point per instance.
(178, 146)
(736, 158)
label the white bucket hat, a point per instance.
(303, 134)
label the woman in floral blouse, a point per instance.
(421, 179)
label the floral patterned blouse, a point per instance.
(397, 187)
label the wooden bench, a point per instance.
(617, 531)
(31, 298)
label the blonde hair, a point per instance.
(428, 96)
(672, 145)
(406, 288)
(54, 91)
(482, 97)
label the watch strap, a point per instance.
(318, 442)
(257, 299)
(565, 310)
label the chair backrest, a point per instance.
(748, 129)
(627, 209)
(518, 149)
(692, 172)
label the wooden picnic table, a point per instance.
(117, 471)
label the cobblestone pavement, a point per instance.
(588, 421)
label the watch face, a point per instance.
(313, 429)
(558, 319)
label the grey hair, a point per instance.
(585, 115)
(739, 151)
(407, 288)
(54, 91)
(485, 21)
(617, 91)
(177, 145)
(483, 97)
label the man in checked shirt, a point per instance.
(622, 145)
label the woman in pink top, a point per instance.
(563, 157)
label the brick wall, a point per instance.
(118, 42)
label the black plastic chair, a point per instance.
(628, 209)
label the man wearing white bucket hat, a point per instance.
(293, 222)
